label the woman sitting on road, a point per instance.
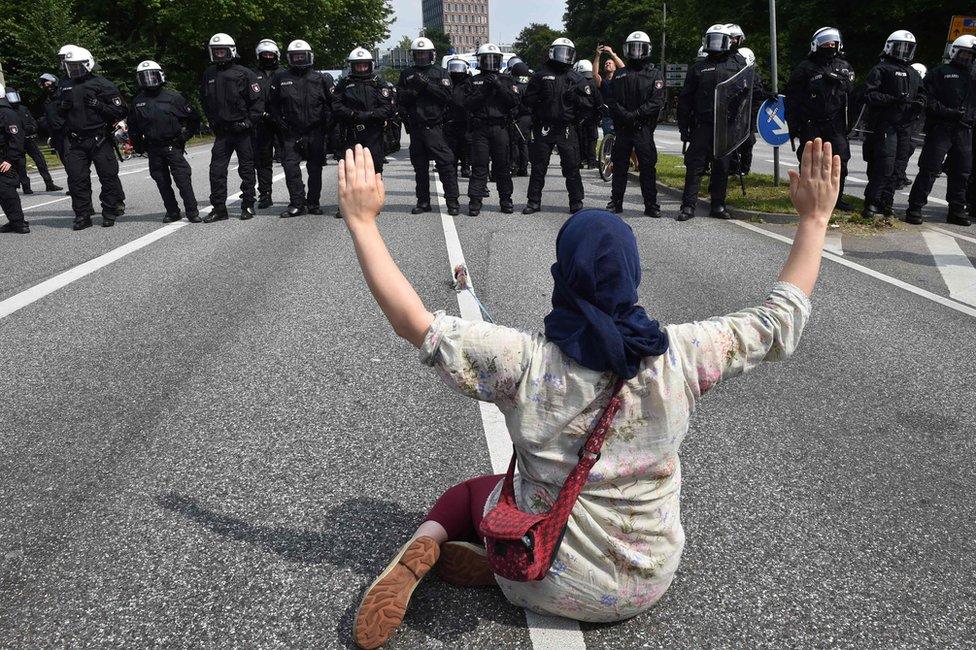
(624, 537)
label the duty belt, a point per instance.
(85, 134)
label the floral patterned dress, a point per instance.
(624, 538)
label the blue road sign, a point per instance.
(771, 122)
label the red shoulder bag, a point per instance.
(522, 546)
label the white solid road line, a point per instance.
(41, 205)
(49, 286)
(855, 179)
(911, 288)
(954, 265)
(971, 240)
(545, 632)
(832, 242)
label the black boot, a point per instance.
(27, 190)
(506, 206)
(315, 209)
(531, 208)
(913, 215)
(719, 212)
(870, 211)
(293, 211)
(843, 205)
(193, 217)
(687, 212)
(108, 219)
(474, 208)
(81, 223)
(247, 212)
(219, 213)
(615, 207)
(172, 216)
(51, 187)
(653, 210)
(575, 207)
(453, 208)
(957, 216)
(420, 208)
(265, 202)
(19, 227)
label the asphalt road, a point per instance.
(216, 440)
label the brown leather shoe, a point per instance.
(385, 603)
(465, 565)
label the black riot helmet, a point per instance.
(562, 51)
(458, 69)
(268, 54)
(489, 58)
(150, 75)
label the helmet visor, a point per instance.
(149, 78)
(76, 69)
(825, 37)
(13, 96)
(300, 59)
(456, 66)
(361, 68)
(268, 59)
(963, 56)
(490, 62)
(716, 42)
(423, 57)
(562, 53)
(220, 53)
(902, 50)
(637, 50)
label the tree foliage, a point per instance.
(441, 41)
(532, 43)
(121, 33)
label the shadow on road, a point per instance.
(368, 532)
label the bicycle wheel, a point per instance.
(606, 164)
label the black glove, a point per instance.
(91, 100)
(685, 135)
(240, 127)
(833, 76)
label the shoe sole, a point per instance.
(385, 604)
(465, 565)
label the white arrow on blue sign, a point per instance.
(771, 122)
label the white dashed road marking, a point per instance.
(954, 265)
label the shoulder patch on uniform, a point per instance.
(12, 129)
(332, 89)
(446, 81)
(515, 89)
(256, 87)
(385, 92)
(117, 101)
(587, 89)
(659, 84)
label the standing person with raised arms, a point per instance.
(623, 537)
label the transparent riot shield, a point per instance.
(733, 111)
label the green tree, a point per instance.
(441, 41)
(532, 43)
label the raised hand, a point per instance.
(815, 187)
(361, 191)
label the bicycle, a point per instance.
(604, 157)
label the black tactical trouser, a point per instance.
(838, 144)
(521, 132)
(311, 148)
(544, 139)
(971, 185)
(880, 190)
(588, 135)
(31, 149)
(906, 149)
(224, 145)
(698, 154)
(81, 153)
(640, 140)
(9, 199)
(370, 136)
(950, 142)
(168, 165)
(266, 139)
(490, 142)
(459, 139)
(429, 143)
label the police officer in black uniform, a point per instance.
(90, 105)
(266, 137)
(231, 97)
(362, 104)
(521, 127)
(587, 129)
(456, 125)
(490, 98)
(950, 92)
(425, 95)
(161, 120)
(51, 121)
(893, 93)
(11, 156)
(301, 101)
(696, 121)
(30, 147)
(818, 97)
(558, 96)
(635, 98)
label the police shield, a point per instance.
(733, 111)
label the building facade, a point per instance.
(465, 23)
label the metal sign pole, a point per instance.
(775, 75)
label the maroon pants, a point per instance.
(461, 509)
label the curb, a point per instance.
(736, 213)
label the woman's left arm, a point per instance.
(361, 198)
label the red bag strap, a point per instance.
(589, 453)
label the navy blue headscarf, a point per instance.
(595, 319)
